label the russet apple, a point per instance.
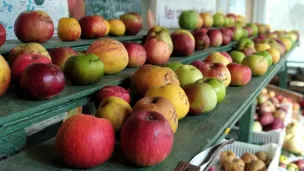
(112, 53)
(84, 141)
(202, 40)
(160, 105)
(37, 78)
(237, 56)
(207, 19)
(92, 27)
(148, 76)
(34, 26)
(23, 61)
(240, 74)
(216, 38)
(189, 19)
(143, 131)
(136, 53)
(60, 55)
(217, 85)
(112, 90)
(183, 43)
(5, 75)
(257, 64)
(216, 70)
(202, 98)
(68, 29)
(2, 35)
(218, 57)
(188, 74)
(132, 21)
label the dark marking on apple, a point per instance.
(183, 97)
(46, 19)
(92, 61)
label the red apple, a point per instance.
(34, 26)
(92, 27)
(248, 51)
(219, 57)
(266, 119)
(137, 54)
(240, 74)
(112, 90)
(183, 43)
(275, 124)
(227, 56)
(227, 35)
(42, 81)
(60, 55)
(23, 61)
(146, 138)
(84, 141)
(202, 40)
(158, 52)
(133, 22)
(233, 16)
(300, 164)
(2, 35)
(197, 63)
(216, 38)
(216, 70)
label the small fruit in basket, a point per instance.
(68, 29)
(248, 157)
(275, 102)
(267, 107)
(132, 21)
(292, 167)
(92, 27)
(84, 141)
(257, 127)
(261, 155)
(275, 54)
(300, 164)
(188, 74)
(137, 54)
(37, 78)
(5, 75)
(266, 119)
(226, 156)
(218, 86)
(276, 124)
(34, 26)
(234, 165)
(279, 114)
(84, 69)
(256, 165)
(188, 19)
(262, 98)
(240, 74)
(114, 109)
(111, 90)
(117, 27)
(161, 105)
(143, 131)
(2, 35)
(283, 161)
(257, 64)
(60, 55)
(183, 43)
(296, 107)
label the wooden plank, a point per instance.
(194, 134)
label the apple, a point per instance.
(143, 131)
(276, 45)
(237, 56)
(216, 38)
(202, 41)
(294, 127)
(216, 70)
(254, 28)
(249, 31)
(257, 64)
(227, 35)
(245, 33)
(276, 124)
(84, 141)
(262, 98)
(174, 65)
(132, 21)
(244, 43)
(92, 27)
(279, 114)
(188, 74)
(60, 55)
(257, 127)
(232, 16)
(266, 119)
(37, 78)
(183, 43)
(5, 75)
(267, 56)
(275, 54)
(207, 19)
(300, 164)
(198, 63)
(137, 54)
(248, 51)
(34, 26)
(217, 85)
(202, 98)
(111, 90)
(2, 35)
(218, 57)
(240, 74)
(68, 29)
(227, 56)
(23, 61)
(237, 33)
(294, 143)
(259, 47)
(189, 19)
(218, 20)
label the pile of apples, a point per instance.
(296, 165)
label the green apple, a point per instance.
(255, 29)
(188, 74)
(244, 43)
(226, 22)
(174, 65)
(267, 56)
(237, 33)
(84, 69)
(237, 56)
(218, 20)
(188, 19)
(257, 127)
(217, 85)
(245, 33)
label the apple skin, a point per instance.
(84, 141)
(240, 74)
(227, 36)
(257, 64)
(183, 43)
(202, 98)
(60, 55)
(112, 90)
(143, 131)
(34, 26)
(248, 51)
(137, 54)
(237, 33)
(2, 35)
(237, 56)
(216, 70)
(276, 124)
(207, 19)
(216, 38)
(218, 86)
(254, 28)
(188, 74)
(132, 21)
(92, 27)
(218, 57)
(174, 65)
(257, 127)
(198, 63)
(37, 78)
(5, 75)
(300, 164)
(23, 61)
(218, 20)
(202, 41)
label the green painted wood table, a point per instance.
(193, 135)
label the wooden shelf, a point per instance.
(194, 133)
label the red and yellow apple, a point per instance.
(68, 29)
(132, 21)
(207, 19)
(2, 35)
(257, 64)
(112, 90)
(92, 27)
(137, 54)
(216, 38)
(219, 57)
(60, 55)
(202, 40)
(216, 70)
(5, 75)
(240, 74)
(183, 42)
